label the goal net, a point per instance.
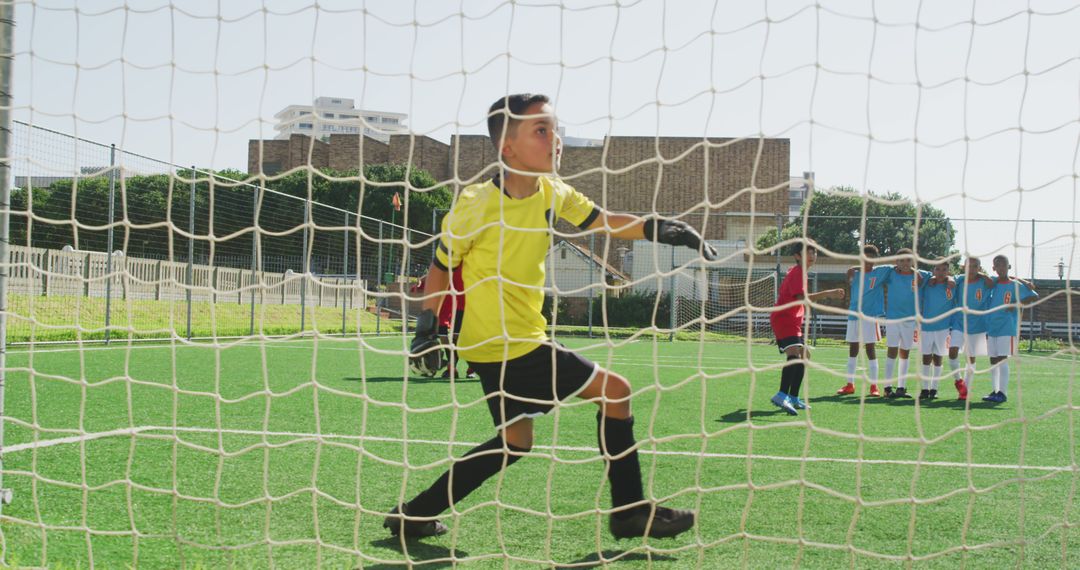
(218, 217)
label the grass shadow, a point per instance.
(417, 553)
(741, 415)
(615, 556)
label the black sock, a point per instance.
(624, 473)
(468, 473)
(794, 370)
(785, 379)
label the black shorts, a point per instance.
(533, 383)
(784, 343)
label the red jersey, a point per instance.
(788, 322)
(453, 303)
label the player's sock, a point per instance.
(890, 367)
(872, 370)
(954, 367)
(994, 377)
(925, 376)
(1003, 376)
(969, 374)
(615, 437)
(794, 370)
(901, 379)
(936, 378)
(468, 473)
(852, 366)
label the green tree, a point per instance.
(835, 221)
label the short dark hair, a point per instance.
(499, 114)
(798, 248)
(904, 251)
(1002, 257)
(870, 250)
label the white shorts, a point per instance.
(974, 344)
(1001, 345)
(863, 330)
(934, 342)
(901, 334)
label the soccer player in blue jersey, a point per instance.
(499, 231)
(864, 322)
(936, 299)
(1002, 324)
(900, 326)
(968, 330)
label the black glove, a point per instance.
(425, 356)
(677, 232)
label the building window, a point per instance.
(389, 120)
(335, 100)
(328, 115)
(304, 125)
(562, 253)
(271, 167)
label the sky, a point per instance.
(971, 106)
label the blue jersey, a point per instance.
(936, 300)
(973, 296)
(900, 299)
(873, 299)
(1004, 301)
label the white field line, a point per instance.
(378, 439)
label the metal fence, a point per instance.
(83, 211)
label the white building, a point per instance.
(799, 188)
(337, 115)
(578, 141)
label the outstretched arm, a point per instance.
(671, 232)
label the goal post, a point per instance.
(216, 219)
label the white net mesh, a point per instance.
(214, 259)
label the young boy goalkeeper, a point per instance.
(499, 233)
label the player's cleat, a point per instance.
(799, 404)
(996, 398)
(933, 394)
(924, 394)
(781, 400)
(874, 391)
(664, 523)
(902, 393)
(846, 390)
(961, 389)
(399, 525)
(991, 397)
(470, 373)
(889, 393)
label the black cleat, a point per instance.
(666, 523)
(933, 394)
(399, 524)
(889, 393)
(924, 394)
(902, 393)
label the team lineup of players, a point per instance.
(972, 313)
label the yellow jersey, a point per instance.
(503, 243)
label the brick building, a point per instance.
(627, 174)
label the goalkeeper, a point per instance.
(499, 232)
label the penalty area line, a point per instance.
(397, 440)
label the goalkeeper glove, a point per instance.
(425, 356)
(677, 232)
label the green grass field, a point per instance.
(284, 453)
